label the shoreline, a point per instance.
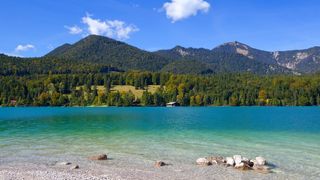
(125, 168)
(130, 168)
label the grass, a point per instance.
(126, 88)
(137, 92)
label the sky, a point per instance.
(35, 27)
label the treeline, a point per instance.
(187, 90)
(15, 66)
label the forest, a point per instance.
(96, 89)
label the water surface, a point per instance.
(289, 137)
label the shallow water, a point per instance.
(289, 137)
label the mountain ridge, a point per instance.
(225, 58)
(299, 61)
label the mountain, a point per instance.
(297, 61)
(103, 50)
(59, 50)
(223, 59)
(304, 61)
(98, 54)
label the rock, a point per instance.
(230, 161)
(159, 164)
(261, 169)
(74, 167)
(251, 164)
(242, 166)
(244, 159)
(203, 162)
(216, 160)
(64, 163)
(237, 159)
(260, 161)
(99, 157)
(253, 161)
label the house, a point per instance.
(13, 102)
(172, 104)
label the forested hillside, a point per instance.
(103, 50)
(101, 71)
(188, 90)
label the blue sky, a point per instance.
(34, 27)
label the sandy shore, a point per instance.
(127, 169)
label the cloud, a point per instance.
(74, 29)
(26, 47)
(114, 29)
(110, 28)
(120, 30)
(181, 9)
(95, 26)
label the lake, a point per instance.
(289, 137)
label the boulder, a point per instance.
(260, 161)
(159, 164)
(216, 160)
(261, 169)
(99, 157)
(203, 162)
(237, 159)
(230, 161)
(74, 167)
(250, 163)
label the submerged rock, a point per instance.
(160, 163)
(230, 161)
(260, 161)
(99, 157)
(203, 162)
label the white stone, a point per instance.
(260, 161)
(203, 162)
(74, 167)
(64, 163)
(240, 165)
(237, 159)
(230, 161)
(245, 159)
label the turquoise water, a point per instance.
(289, 137)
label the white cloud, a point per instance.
(180, 9)
(24, 47)
(95, 26)
(74, 29)
(113, 29)
(120, 30)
